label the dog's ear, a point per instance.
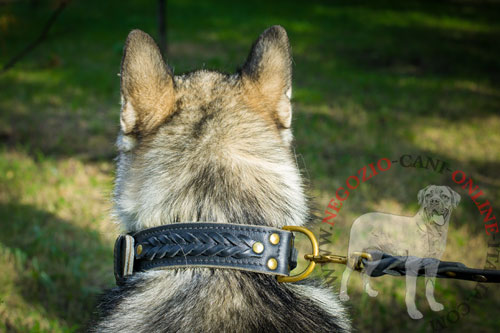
(267, 76)
(421, 194)
(455, 197)
(146, 85)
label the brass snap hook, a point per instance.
(356, 257)
(316, 258)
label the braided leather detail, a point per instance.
(221, 244)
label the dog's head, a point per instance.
(437, 202)
(207, 146)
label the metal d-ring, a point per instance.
(312, 264)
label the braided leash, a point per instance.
(410, 265)
(377, 263)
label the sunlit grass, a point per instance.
(55, 224)
(466, 140)
(403, 18)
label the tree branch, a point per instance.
(39, 39)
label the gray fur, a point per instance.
(219, 154)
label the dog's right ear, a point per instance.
(267, 76)
(421, 194)
(147, 86)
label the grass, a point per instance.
(371, 79)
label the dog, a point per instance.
(211, 147)
(423, 235)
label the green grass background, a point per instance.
(371, 79)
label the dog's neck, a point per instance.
(257, 193)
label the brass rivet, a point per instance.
(274, 239)
(258, 247)
(272, 264)
(139, 249)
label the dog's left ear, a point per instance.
(267, 76)
(146, 85)
(455, 197)
(421, 194)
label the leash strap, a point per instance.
(383, 263)
(217, 245)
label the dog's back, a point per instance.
(210, 147)
(383, 232)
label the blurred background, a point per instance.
(372, 79)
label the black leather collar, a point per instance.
(217, 245)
